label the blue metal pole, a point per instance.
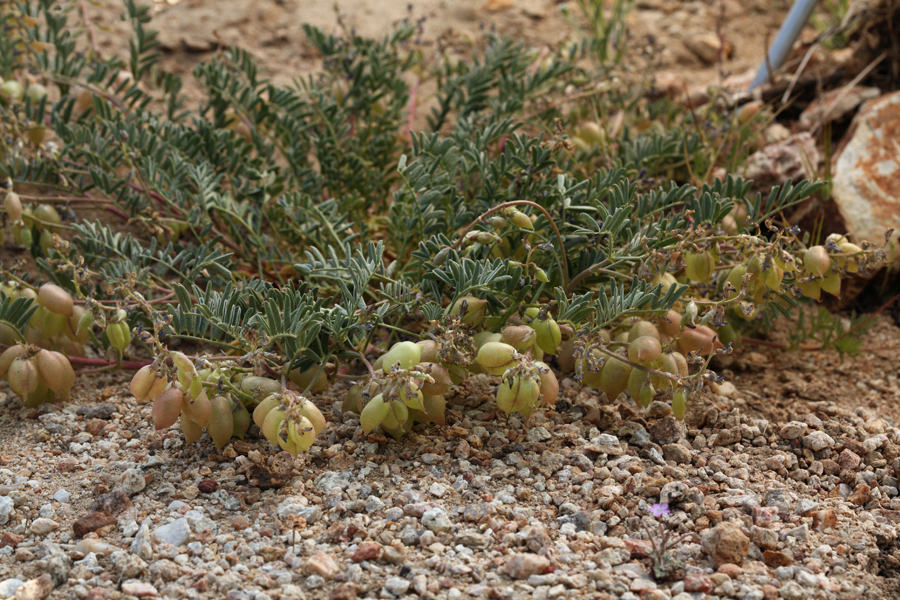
(787, 35)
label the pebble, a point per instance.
(43, 526)
(61, 496)
(522, 566)
(793, 430)
(818, 440)
(437, 520)
(8, 587)
(7, 507)
(397, 585)
(176, 533)
(132, 482)
(726, 543)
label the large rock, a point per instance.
(795, 158)
(866, 171)
(726, 543)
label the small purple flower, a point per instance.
(658, 510)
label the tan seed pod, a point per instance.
(55, 299)
(8, 356)
(566, 356)
(817, 261)
(494, 356)
(260, 387)
(642, 329)
(192, 431)
(145, 385)
(221, 421)
(440, 375)
(430, 349)
(13, 206)
(313, 378)
(55, 371)
(407, 354)
(475, 308)
(434, 408)
(39, 396)
(352, 401)
(198, 409)
(698, 339)
(644, 349)
(167, 408)
(549, 385)
(520, 337)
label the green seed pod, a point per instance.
(55, 299)
(483, 337)
(518, 395)
(831, 283)
(25, 237)
(352, 400)
(198, 409)
(736, 279)
(23, 376)
(260, 387)
(13, 206)
(817, 261)
(12, 89)
(312, 378)
(84, 323)
(566, 356)
(457, 374)
(811, 289)
(55, 371)
(852, 264)
(182, 362)
(496, 357)
(53, 323)
(498, 222)
(167, 408)
(262, 409)
(637, 379)
(519, 219)
(192, 431)
(296, 436)
(614, 378)
(646, 395)
(644, 349)
(699, 266)
(242, 419)
(272, 424)
(541, 275)
(548, 335)
(520, 337)
(119, 335)
(643, 329)
(679, 404)
(195, 389)
(36, 92)
(8, 335)
(681, 363)
(221, 421)
(397, 415)
(667, 364)
(475, 308)
(312, 413)
(46, 216)
(7, 358)
(405, 353)
(38, 397)
(374, 413)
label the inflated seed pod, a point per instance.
(440, 375)
(411, 395)
(812, 289)
(312, 413)
(614, 377)
(55, 371)
(681, 363)
(374, 413)
(13, 206)
(566, 356)
(53, 323)
(548, 335)
(482, 337)
(23, 376)
(272, 424)
(636, 380)
(198, 409)
(831, 283)
(699, 266)
(698, 339)
(397, 415)
(644, 349)
(643, 329)
(167, 408)
(192, 431)
(119, 335)
(851, 263)
(549, 387)
(435, 405)
(430, 349)
(297, 436)
(518, 394)
(679, 404)
(520, 337)
(353, 400)
(8, 335)
(667, 364)
(817, 261)
(221, 421)
(407, 354)
(475, 308)
(8, 356)
(260, 387)
(458, 374)
(55, 299)
(736, 279)
(46, 216)
(670, 324)
(262, 409)
(145, 385)
(496, 357)
(242, 419)
(313, 378)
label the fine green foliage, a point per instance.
(295, 233)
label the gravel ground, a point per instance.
(94, 504)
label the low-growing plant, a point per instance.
(304, 233)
